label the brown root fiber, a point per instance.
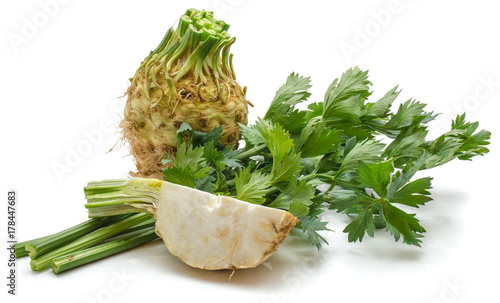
(147, 157)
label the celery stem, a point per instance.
(20, 247)
(250, 152)
(88, 240)
(66, 236)
(78, 258)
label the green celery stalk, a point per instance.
(149, 222)
(82, 257)
(88, 240)
(20, 247)
(38, 247)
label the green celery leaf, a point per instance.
(400, 178)
(472, 145)
(368, 150)
(232, 163)
(294, 91)
(294, 122)
(185, 176)
(316, 139)
(310, 226)
(460, 142)
(181, 176)
(286, 162)
(213, 156)
(309, 165)
(315, 110)
(352, 90)
(189, 157)
(288, 167)
(276, 138)
(414, 193)
(206, 184)
(221, 186)
(376, 175)
(443, 149)
(294, 191)
(189, 166)
(251, 134)
(379, 222)
(252, 186)
(198, 138)
(407, 112)
(298, 209)
(361, 225)
(400, 223)
(349, 109)
(381, 108)
(408, 144)
(347, 200)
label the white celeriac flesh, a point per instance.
(217, 232)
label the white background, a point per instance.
(60, 84)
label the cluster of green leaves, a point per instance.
(202, 162)
(361, 154)
(268, 175)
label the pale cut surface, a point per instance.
(217, 232)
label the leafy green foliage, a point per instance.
(379, 177)
(400, 223)
(460, 142)
(311, 227)
(354, 152)
(414, 193)
(365, 154)
(298, 209)
(282, 108)
(252, 187)
(189, 166)
(316, 139)
(380, 108)
(295, 192)
(344, 99)
(406, 113)
(376, 175)
(286, 162)
(200, 161)
(362, 223)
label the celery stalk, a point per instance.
(38, 248)
(98, 252)
(20, 247)
(88, 240)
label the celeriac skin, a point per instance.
(190, 79)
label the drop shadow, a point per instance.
(269, 274)
(446, 201)
(383, 248)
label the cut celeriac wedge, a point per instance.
(203, 230)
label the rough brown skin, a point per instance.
(281, 233)
(149, 124)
